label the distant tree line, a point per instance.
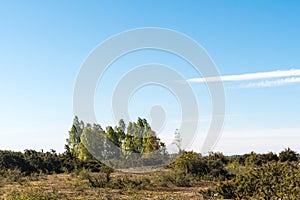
(31, 161)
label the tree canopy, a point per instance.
(137, 139)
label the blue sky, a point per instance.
(43, 45)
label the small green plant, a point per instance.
(172, 178)
(11, 176)
(84, 174)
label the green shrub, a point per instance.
(288, 155)
(172, 178)
(209, 167)
(190, 163)
(274, 180)
(14, 175)
(33, 194)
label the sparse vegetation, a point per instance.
(74, 174)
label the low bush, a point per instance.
(211, 167)
(274, 180)
(10, 176)
(33, 194)
(172, 178)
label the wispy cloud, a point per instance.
(271, 83)
(267, 79)
(250, 76)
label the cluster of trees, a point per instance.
(136, 141)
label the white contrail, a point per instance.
(250, 76)
(271, 83)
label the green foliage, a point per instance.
(14, 165)
(190, 162)
(45, 162)
(140, 138)
(254, 159)
(249, 176)
(138, 146)
(74, 141)
(33, 194)
(113, 136)
(263, 177)
(10, 160)
(210, 167)
(10, 176)
(30, 161)
(274, 180)
(288, 155)
(172, 178)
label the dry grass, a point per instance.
(70, 186)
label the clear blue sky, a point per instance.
(44, 43)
